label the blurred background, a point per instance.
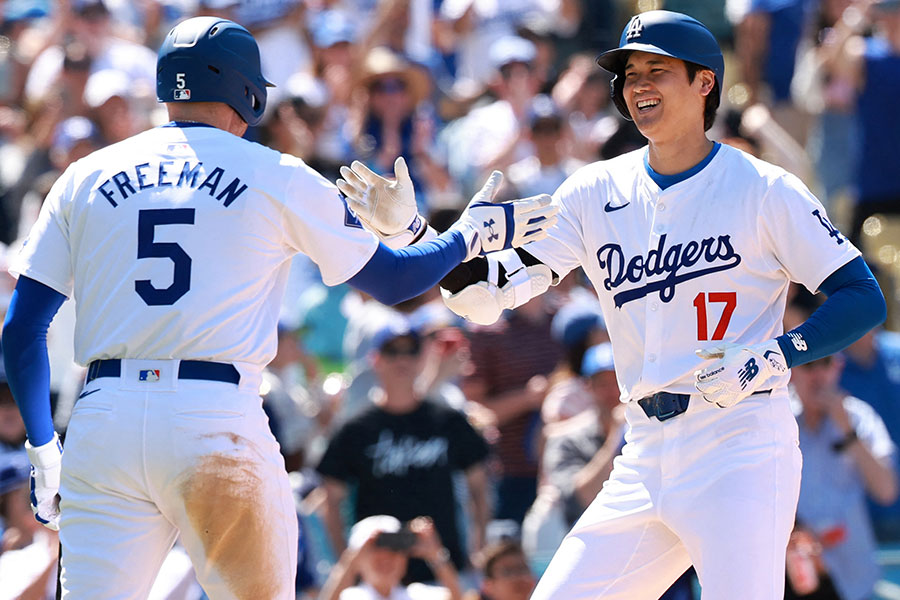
(461, 87)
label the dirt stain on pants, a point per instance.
(223, 498)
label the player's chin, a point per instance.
(647, 122)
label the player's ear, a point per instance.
(707, 81)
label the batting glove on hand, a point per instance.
(739, 371)
(387, 207)
(46, 461)
(488, 225)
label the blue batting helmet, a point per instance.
(669, 34)
(208, 59)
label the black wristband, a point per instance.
(844, 443)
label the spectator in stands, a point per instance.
(871, 65)
(391, 90)
(551, 163)
(828, 97)
(495, 135)
(511, 360)
(402, 453)
(579, 452)
(582, 93)
(577, 326)
(90, 27)
(378, 552)
(505, 573)
(847, 456)
(767, 34)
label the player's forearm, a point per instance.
(855, 305)
(31, 310)
(392, 276)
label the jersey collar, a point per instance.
(666, 181)
(186, 124)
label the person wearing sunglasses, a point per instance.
(402, 453)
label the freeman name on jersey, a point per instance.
(168, 173)
(717, 252)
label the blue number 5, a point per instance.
(148, 219)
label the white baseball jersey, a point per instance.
(175, 243)
(705, 261)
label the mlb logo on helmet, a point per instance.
(182, 94)
(148, 375)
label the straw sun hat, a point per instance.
(383, 62)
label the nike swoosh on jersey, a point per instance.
(84, 394)
(609, 208)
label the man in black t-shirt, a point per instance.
(401, 453)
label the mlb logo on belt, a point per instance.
(148, 375)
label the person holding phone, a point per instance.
(401, 454)
(377, 554)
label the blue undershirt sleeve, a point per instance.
(31, 309)
(854, 305)
(392, 276)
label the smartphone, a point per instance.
(400, 541)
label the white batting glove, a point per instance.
(488, 225)
(46, 461)
(387, 207)
(739, 371)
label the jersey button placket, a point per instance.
(654, 333)
(653, 339)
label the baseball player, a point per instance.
(175, 245)
(691, 246)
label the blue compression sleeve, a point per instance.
(855, 305)
(392, 276)
(32, 307)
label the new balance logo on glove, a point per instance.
(747, 373)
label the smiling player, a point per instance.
(691, 246)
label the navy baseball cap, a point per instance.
(393, 329)
(597, 359)
(575, 321)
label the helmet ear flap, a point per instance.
(616, 90)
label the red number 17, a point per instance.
(730, 300)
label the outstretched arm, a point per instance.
(386, 207)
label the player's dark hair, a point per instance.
(712, 99)
(494, 552)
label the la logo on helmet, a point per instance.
(635, 28)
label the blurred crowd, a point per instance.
(431, 458)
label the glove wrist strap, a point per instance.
(46, 455)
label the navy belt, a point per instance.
(187, 369)
(664, 405)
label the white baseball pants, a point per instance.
(712, 487)
(146, 461)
